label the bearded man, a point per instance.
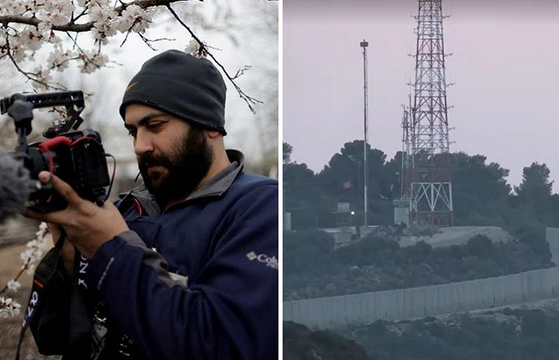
(184, 266)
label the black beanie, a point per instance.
(181, 85)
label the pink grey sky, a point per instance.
(505, 70)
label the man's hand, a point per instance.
(87, 225)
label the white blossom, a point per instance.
(30, 257)
(14, 285)
(134, 18)
(43, 78)
(56, 12)
(9, 7)
(101, 14)
(27, 256)
(58, 59)
(8, 307)
(33, 253)
(31, 269)
(60, 10)
(45, 27)
(18, 53)
(32, 38)
(92, 61)
(193, 47)
(33, 243)
(103, 27)
(81, 3)
(104, 4)
(41, 234)
(3, 42)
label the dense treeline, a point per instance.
(482, 197)
(481, 194)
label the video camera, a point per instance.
(77, 157)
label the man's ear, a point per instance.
(212, 134)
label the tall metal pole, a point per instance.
(364, 45)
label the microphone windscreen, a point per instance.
(15, 185)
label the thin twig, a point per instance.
(203, 48)
(149, 41)
(29, 75)
(24, 267)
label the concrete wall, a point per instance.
(552, 237)
(424, 301)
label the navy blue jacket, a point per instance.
(200, 280)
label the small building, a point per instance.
(401, 212)
(344, 215)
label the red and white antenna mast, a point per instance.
(426, 180)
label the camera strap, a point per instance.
(80, 322)
(43, 274)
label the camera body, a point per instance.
(77, 157)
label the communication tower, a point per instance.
(426, 180)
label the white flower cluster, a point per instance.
(8, 307)
(55, 13)
(195, 49)
(30, 257)
(14, 285)
(134, 18)
(34, 252)
(43, 24)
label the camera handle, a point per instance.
(72, 100)
(20, 108)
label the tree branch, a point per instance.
(250, 101)
(71, 27)
(84, 27)
(32, 76)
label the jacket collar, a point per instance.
(216, 186)
(221, 182)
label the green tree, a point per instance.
(287, 151)
(393, 171)
(343, 178)
(535, 184)
(535, 190)
(480, 191)
(300, 196)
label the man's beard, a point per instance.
(185, 167)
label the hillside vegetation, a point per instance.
(313, 268)
(300, 343)
(508, 334)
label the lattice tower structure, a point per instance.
(427, 176)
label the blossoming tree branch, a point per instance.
(56, 26)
